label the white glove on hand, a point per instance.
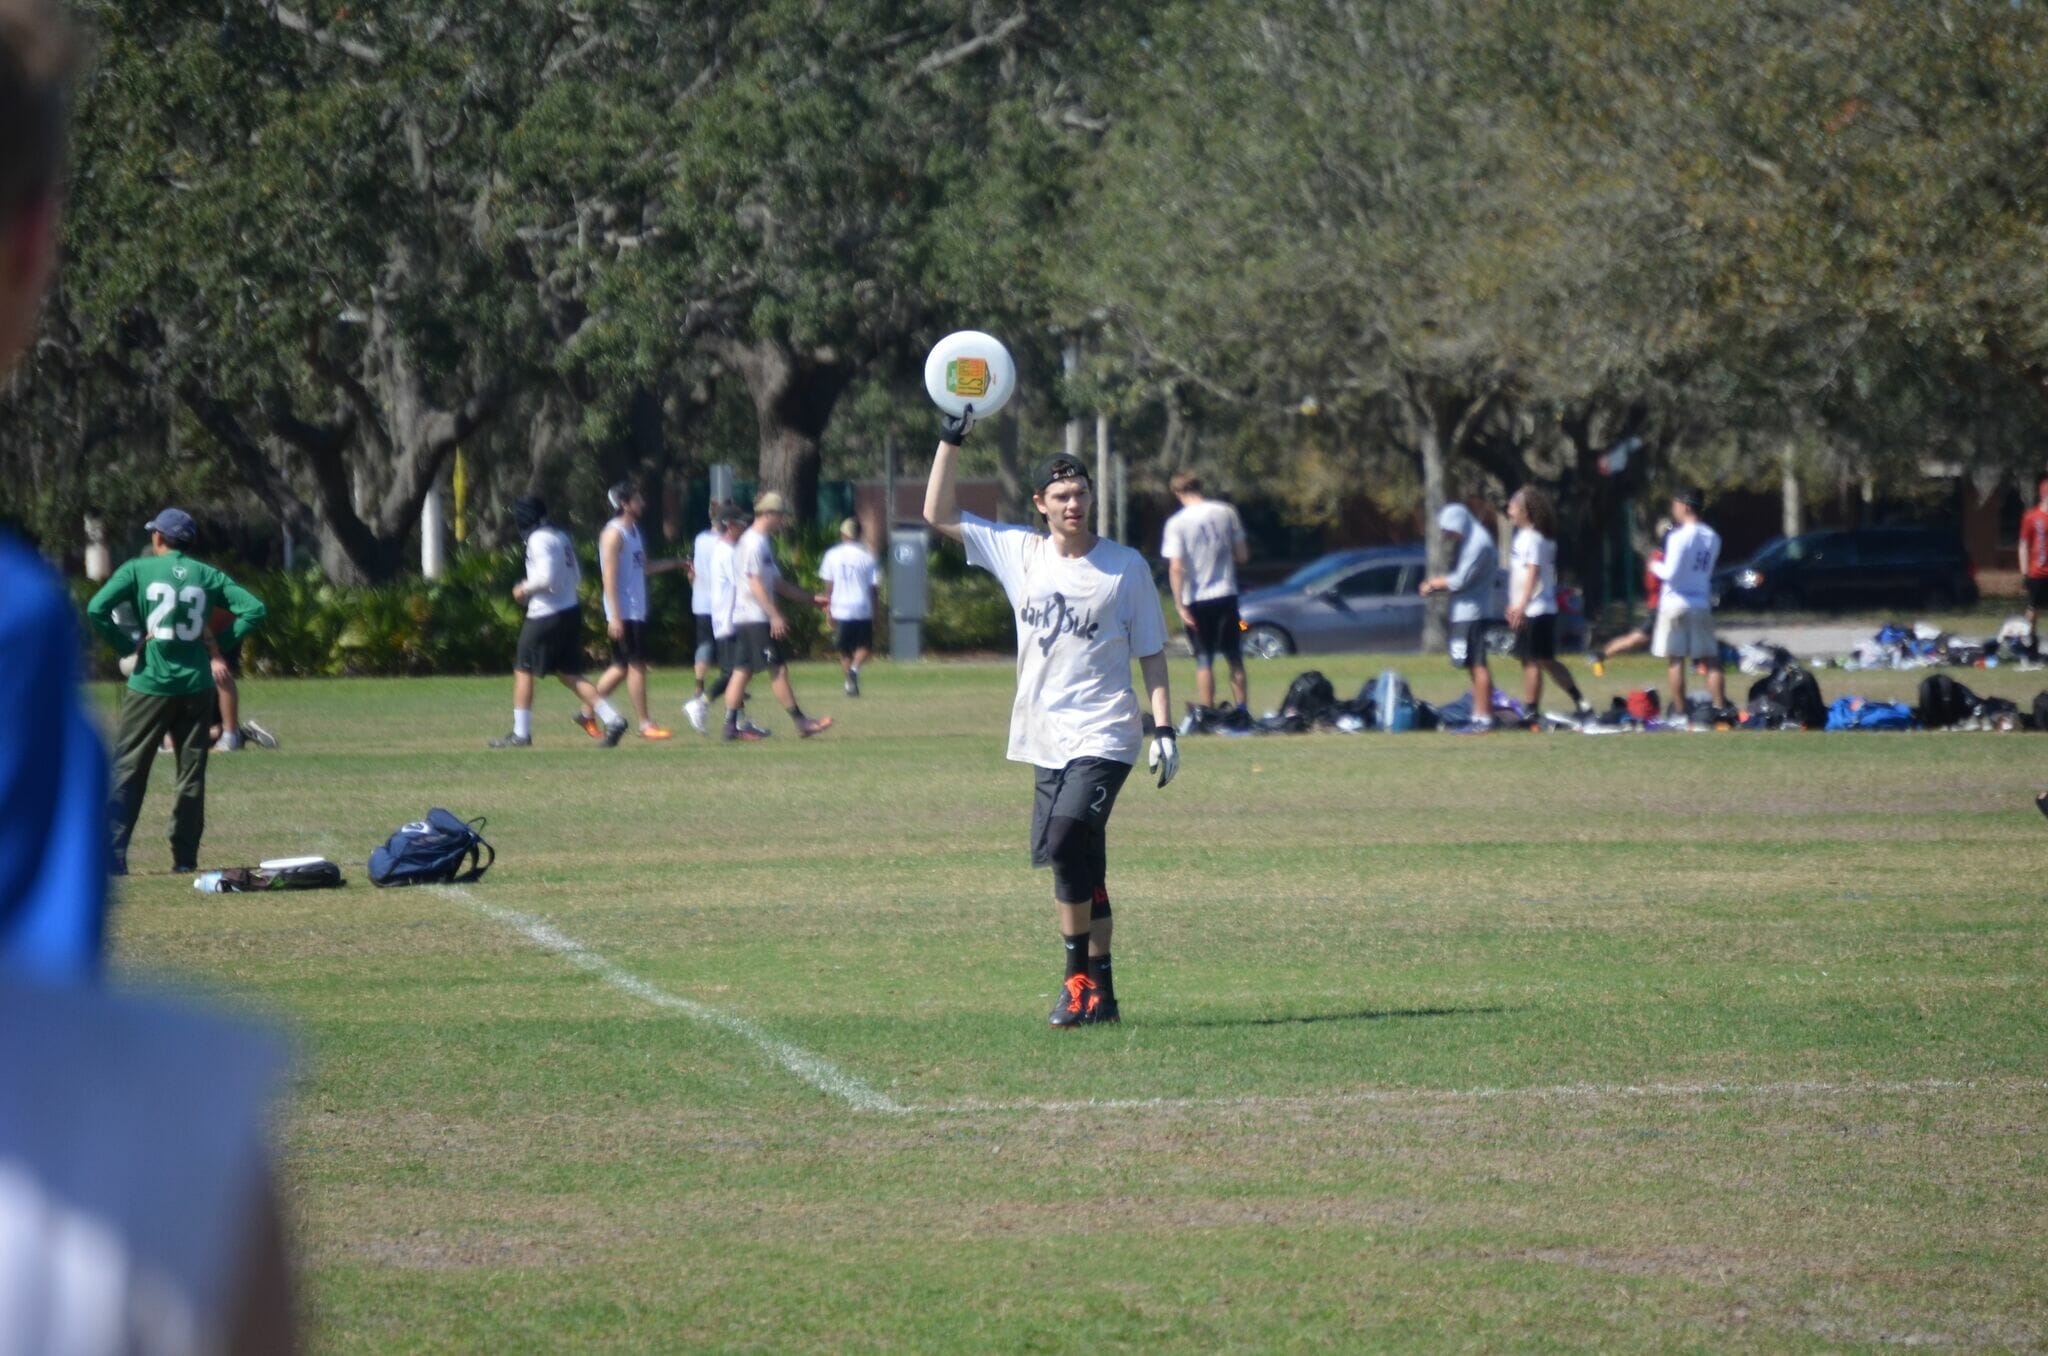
(1164, 758)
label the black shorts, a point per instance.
(2037, 593)
(552, 644)
(754, 649)
(1084, 789)
(1216, 631)
(854, 635)
(1536, 638)
(1468, 643)
(631, 648)
(707, 639)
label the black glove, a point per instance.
(954, 428)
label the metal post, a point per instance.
(1123, 497)
(721, 482)
(888, 484)
(1070, 361)
(1102, 485)
(431, 546)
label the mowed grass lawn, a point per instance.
(1678, 1042)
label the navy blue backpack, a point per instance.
(437, 850)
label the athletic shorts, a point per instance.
(754, 649)
(1084, 789)
(1216, 631)
(849, 636)
(552, 644)
(707, 638)
(1467, 647)
(2037, 593)
(630, 648)
(1536, 637)
(1684, 633)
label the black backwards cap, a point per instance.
(1058, 466)
(529, 513)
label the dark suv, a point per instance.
(1881, 567)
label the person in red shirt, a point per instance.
(1653, 589)
(2034, 558)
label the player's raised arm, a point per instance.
(941, 495)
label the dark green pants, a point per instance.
(145, 720)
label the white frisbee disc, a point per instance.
(968, 367)
(286, 863)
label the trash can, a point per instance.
(909, 551)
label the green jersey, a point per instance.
(173, 595)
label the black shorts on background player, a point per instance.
(630, 648)
(1468, 643)
(1216, 631)
(2037, 594)
(755, 649)
(1536, 638)
(552, 644)
(708, 644)
(849, 636)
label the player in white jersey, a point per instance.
(551, 641)
(850, 576)
(622, 559)
(1685, 613)
(1084, 608)
(1203, 544)
(1532, 598)
(759, 629)
(709, 542)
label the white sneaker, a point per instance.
(698, 710)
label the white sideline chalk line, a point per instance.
(830, 1079)
(821, 1074)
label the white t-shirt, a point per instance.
(716, 575)
(753, 558)
(552, 574)
(700, 571)
(1204, 538)
(1690, 554)
(1533, 548)
(1080, 623)
(631, 572)
(849, 571)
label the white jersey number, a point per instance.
(163, 599)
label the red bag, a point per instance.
(1642, 704)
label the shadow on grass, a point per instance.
(1371, 1015)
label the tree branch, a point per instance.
(953, 56)
(299, 23)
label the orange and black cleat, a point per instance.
(1077, 1002)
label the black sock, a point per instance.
(1572, 690)
(732, 715)
(1077, 953)
(1105, 978)
(795, 712)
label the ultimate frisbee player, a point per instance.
(1084, 607)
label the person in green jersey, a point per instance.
(171, 690)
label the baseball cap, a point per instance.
(849, 529)
(1692, 497)
(175, 524)
(770, 502)
(1058, 466)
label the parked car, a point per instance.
(1883, 567)
(1366, 599)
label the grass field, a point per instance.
(1677, 1042)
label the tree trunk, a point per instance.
(794, 394)
(1436, 560)
(1014, 503)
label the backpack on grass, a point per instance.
(438, 850)
(279, 873)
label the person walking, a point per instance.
(2034, 562)
(759, 628)
(1685, 612)
(170, 690)
(851, 577)
(1653, 589)
(1532, 598)
(551, 640)
(1203, 544)
(709, 542)
(1085, 608)
(1474, 573)
(622, 562)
